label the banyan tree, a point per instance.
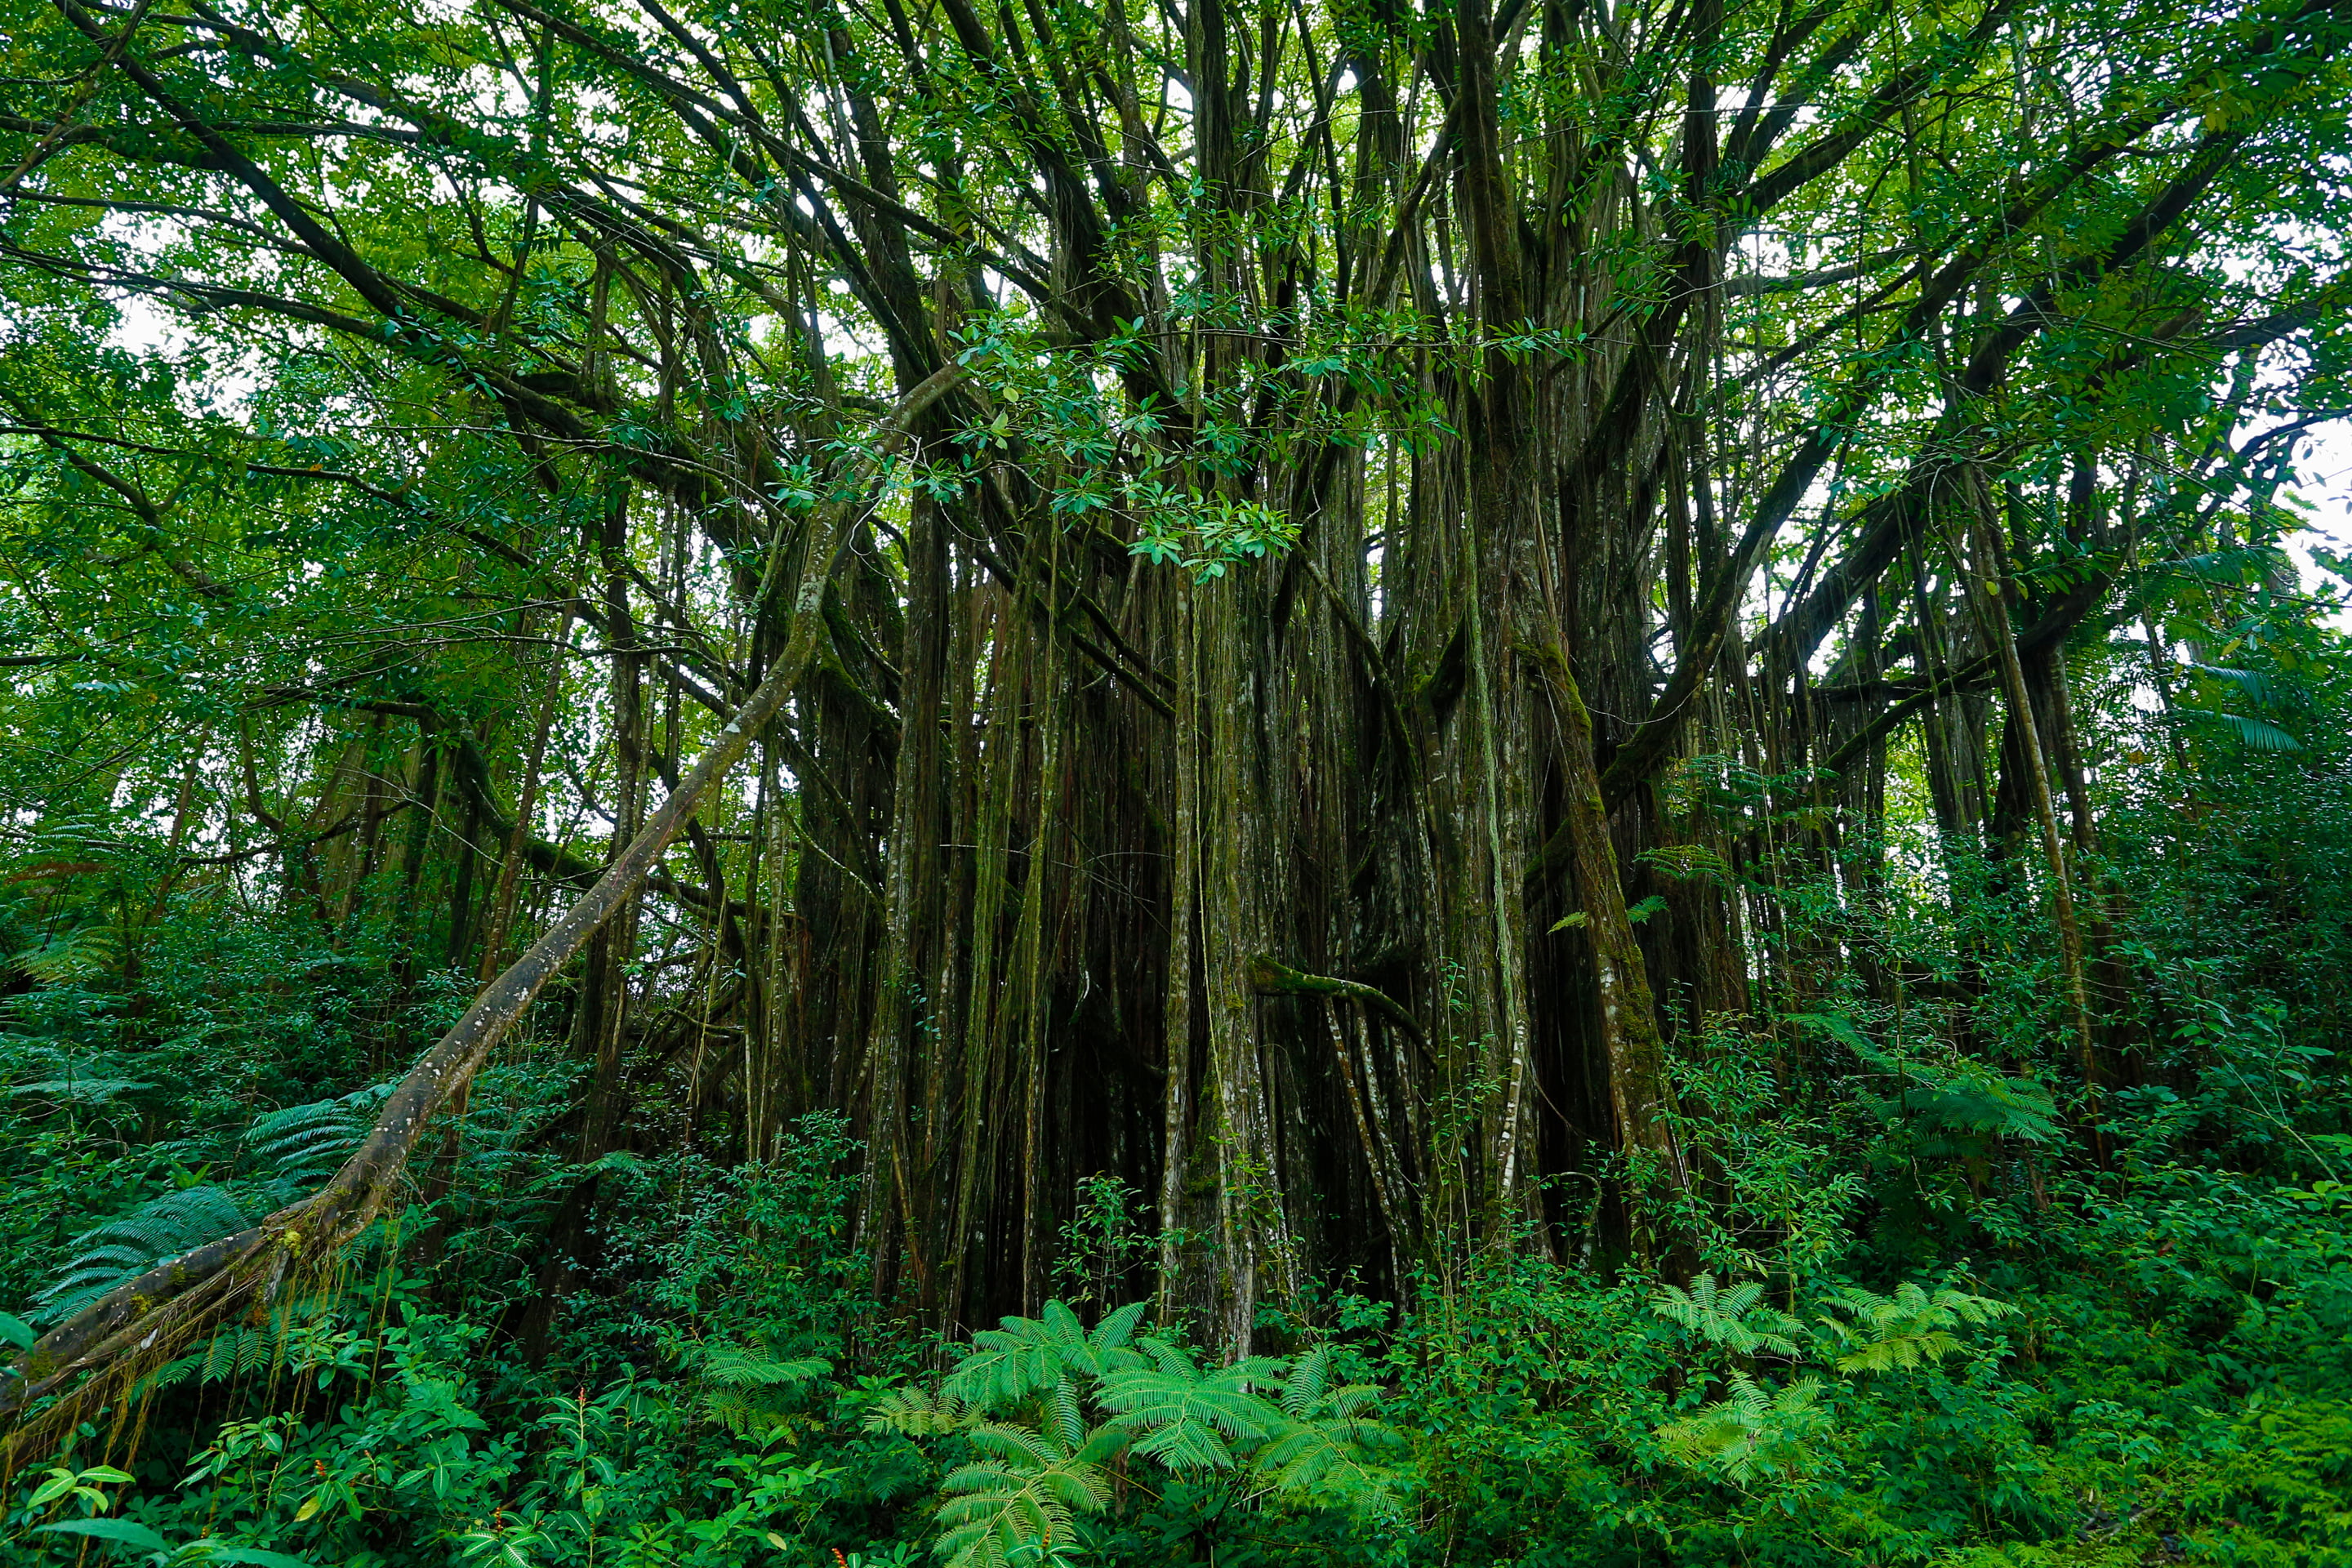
(1228, 595)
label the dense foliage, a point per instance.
(1548, 781)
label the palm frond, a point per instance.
(2255, 734)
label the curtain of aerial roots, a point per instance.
(1247, 892)
(1298, 900)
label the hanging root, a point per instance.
(1269, 976)
(142, 1324)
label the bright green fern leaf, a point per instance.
(1753, 1432)
(1908, 1329)
(1732, 1316)
(1018, 1503)
(131, 1244)
(1188, 1419)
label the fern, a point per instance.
(1290, 1428)
(1028, 1356)
(1324, 1453)
(1732, 1316)
(1019, 1503)
(1955, 1113)
(1907, 1329)
(914, 1413)
(1753, 1431)
(129, 1244)
(740, 1379)
(81, 1090)
(85, 953)
(305, 1143)
(1188, 1419)
(757, 1367)
(227, 1355)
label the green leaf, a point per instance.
(1752, 1431)
(1732, 1316)
(212, 1550)
(126, 1532)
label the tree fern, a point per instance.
(1027, 1356)
(916, 1413)
(758, 1366)
(229, 1353)
(1953, 1113)
(1732, 1316)
(82, 952)
(80, 1090)
(740, 1381)
(131, 1244)
(1324, 1453)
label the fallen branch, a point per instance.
(139, 1324)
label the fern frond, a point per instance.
(303, 1143)
(1193, 1423)
(81, 1090)
(915, 1413)
(1909, 1329)
(1063, 1417)
(1168, 1359)
(131, 1244)
(1733, 1318)
(1752, 1431)
(1309, 1380)
(738, 1416)
(1324, 1455)
(82, 953)
(1009, 1364)
(758, 1366)
(1019, 1503)
(1116, 1333)
(1026, 1357)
